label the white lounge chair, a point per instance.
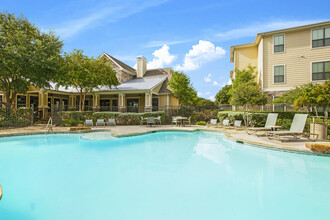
(88, 122)
(296, 130)
(225, 123)
(100, 122)
(270, 123)
(213, 122)
(237, 124)
(111, 121)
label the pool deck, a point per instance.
(237, 135)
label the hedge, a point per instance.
(74, 118)
(20, 118)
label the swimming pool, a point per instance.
(163, 175)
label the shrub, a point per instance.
(19, 118)
(204, 115)
(201, 123)
(74, 118)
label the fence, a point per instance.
(19, 117)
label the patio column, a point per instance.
(148, 102)
(96, 102)
(121, 103)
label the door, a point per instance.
(132, 105)
(34, 101)
(114, 106)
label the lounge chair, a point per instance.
(88, 123)
(150, 121)
(225, 123)
(174, 121)
(213, 122)
(270, 123)
(237, 124)
(100, 122)
(296, 130)
(111, 121)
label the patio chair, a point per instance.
(174, 121)
(270, 123)
(188, 121)
(213, 122)
(88, 122)
(159, 120)
(100, 122)
(296, 130)
(143, 120)
(150, 121)
(225, 123)
(111, 121)
(237, 124)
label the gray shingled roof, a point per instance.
(123, 65)
(138, 84)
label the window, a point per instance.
(321, 37)
(1, 100)
(279, 43)
(154, 104)
(132, 105)
(279, 74)
(321, 71)
(21, 101)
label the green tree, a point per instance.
(199, 101)
(224, 95)
(288, 97)
(27, 56)
(182, 88)
(245, 90)
(86, 74)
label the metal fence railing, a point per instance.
(17, 117)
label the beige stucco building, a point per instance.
(287, 58)
(141, 90)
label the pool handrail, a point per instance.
(49, 125)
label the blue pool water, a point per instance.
(165, 175)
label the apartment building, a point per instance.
(287, 58)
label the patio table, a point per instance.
(180, 120)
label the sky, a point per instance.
(187, 35)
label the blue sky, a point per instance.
(191, 36)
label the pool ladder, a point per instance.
(0, 192)
(49, 126)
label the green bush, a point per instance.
(201, 123)
(74, 118)
(19, 118)
(204, 115)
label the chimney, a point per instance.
(141, 66)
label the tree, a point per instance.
(288, 97)
(199, 101)
(245, 90)
(223, 96)
(86, 74)
(182, 88)
(27, 56)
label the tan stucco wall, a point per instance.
(245, 56)
(297, 58)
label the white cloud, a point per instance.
(207, 78)
(161, 43)
(215, 83)
(104, 14)
(252, 30)
(212, 98)
(162, 58)
(201, 53)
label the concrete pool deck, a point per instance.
(238, 135)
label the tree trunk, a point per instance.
(316, 111)
(80, 100)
